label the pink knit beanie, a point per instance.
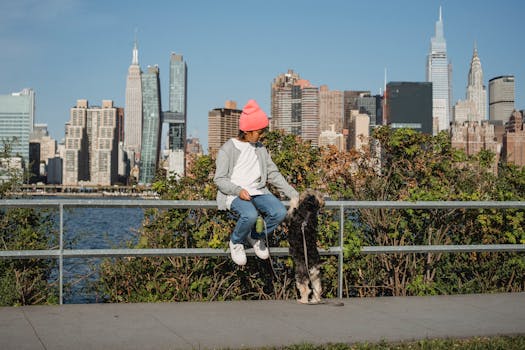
(252, 117)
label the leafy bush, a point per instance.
(414, 167)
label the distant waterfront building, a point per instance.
(309, 116)
(439, 73)
(91, 145)
(176, 116)
(17, 114)
(370, 105)
(151, 130)
(473, 108)
(102, 133)
(76, 166)
(295, 107)
(350, 102)
(194, 146)
(54, 171)
(48, 145)
(332, 138)
(476, 91)
(501, 98)
(11, 168)
(34, 162)
(223, 124)
(514, 140)
(473, 137)
(331, 109)
(465, 111)
(359, 132)
(409, 105)
(281, 103)
(133, 110)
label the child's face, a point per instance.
(254, 136)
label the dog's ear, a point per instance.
(294, 203)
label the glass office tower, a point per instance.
(176, 116)
(151, 128)
(439, 74)
(409, 105)
(17, 112)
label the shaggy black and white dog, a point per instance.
(302, 238)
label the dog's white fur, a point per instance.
(302, 220)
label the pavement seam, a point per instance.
(171, 330)
(34, 330)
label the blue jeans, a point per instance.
(272, 210)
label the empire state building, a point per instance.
(133, 110)
(439, 72)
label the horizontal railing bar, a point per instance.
(191, 204)
(28, 254)
(427, 204)
(184, 252)
(277, 251)
(470, 248)
(137, 203)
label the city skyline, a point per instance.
(70, 50)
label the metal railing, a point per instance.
(338, 251)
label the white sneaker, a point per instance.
(237, 253)
(259, 247)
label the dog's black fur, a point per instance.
(302, 220)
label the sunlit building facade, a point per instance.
(17, 113)
(439, 73)
(151, 130)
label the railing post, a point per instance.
(61, 257)
(341, 255)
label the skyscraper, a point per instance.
(331, 111)
(473, 109)
(409, 105)
(282, 101)
(476, 91)
(133, 109)
(76, 153)
(102, 133)
(295, 107)
(91, 153)
(151, 131)
(48, 145)
(223, 124)
(310, 114)
(439, 72)
(176, 116)
(17, 113)
(501, 98)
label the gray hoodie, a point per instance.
(226, 159)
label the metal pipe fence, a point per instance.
(338, 251)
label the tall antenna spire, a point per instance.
(440, 16)
(384, 86)
(135, 60)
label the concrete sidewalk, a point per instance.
(243, 324)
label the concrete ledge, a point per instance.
(242, 324)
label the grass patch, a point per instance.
(477, 343)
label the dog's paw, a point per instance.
(294, 203)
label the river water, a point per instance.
(94, 228)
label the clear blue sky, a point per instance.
(74, 49)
